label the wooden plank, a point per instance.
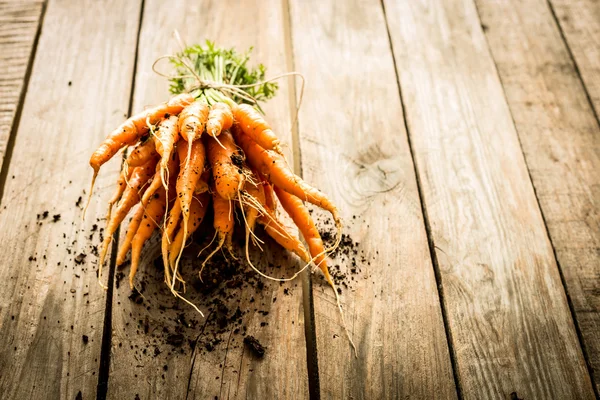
(511, 327)
(229, 370)
(354, 148)
(50, 297)
(19, 23)
(561, 141)
(580, 23)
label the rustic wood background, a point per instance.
(460, 138)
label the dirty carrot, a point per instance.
(191, 168)
(131, 230)
(192, 122)
(226, 162)
(274, 167)
(255, 126)
(130, 131)
(220, 118)
(198, 210)
(153, 214)
(131, 196)
(141, 153)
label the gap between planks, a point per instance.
(310, 333)
(105, 351)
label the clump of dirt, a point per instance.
(235, 300)
(254, 345)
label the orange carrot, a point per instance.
(131, 230)
(269, 195)
(275, 228)
(254, 200)
(220, 118)
(188, 178)
(172, 166)
(301, 217)
(167, 237)
(255, 126)
(197, 212)
(202, 185)
(132, 130)
(166, 137)
(192, 122)
(296, 209)
(131, 197)
(153, 214)
(121, 185)
(274, 167)
(226, 162)
(223, 223)
(142, 153)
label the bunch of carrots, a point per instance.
(207, 149)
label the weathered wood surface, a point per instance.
(560, 137)
(354, 148)
(19, 23)
(580, 24)
(229, 370)
(48, 302)
(511, 327)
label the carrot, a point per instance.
(269, 195)
(220, 118)
(226, 163)
(202, 185)
(192, 122)
(121, 185)
(131, 230)
(131, 197)
(172, 223)
(132, 130)
(139, 156)
(223, 224)
(188, 178)
(253, 198)
(301, 217)
(197, 212)
(172, 165)
(296, 209)
(166, 137)
(142, 153)
(154, 212)
(255, 126)
(275, 228)
(274, 167)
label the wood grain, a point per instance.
(512, 331)
(229, 370)
(354, 148)
(19, 23)
(580, 23)
(561, 141)
(51, 306)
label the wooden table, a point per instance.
(460, 138)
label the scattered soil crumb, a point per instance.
(118, 278)
(136, 296)
(175, 339)
(254, 345)
(80, 259)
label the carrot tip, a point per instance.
(87, 203)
